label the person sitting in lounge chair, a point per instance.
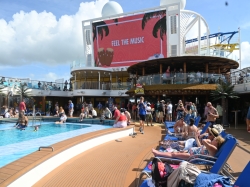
(63, 119)
(180, 127)
(191, 130)
(208, 148)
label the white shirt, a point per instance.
(148, 110)
(169, 107)
(198, 74)
(7, 115)
(63, 118)
(94, 113)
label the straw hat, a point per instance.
(213, 131)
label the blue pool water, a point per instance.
(15, 143)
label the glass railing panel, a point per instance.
(43, 85)
(180, 78)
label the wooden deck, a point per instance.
(110, 164)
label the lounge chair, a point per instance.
(242, 180)
(197, 120)
(215, 164)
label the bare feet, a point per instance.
(155, 152)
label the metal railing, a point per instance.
(102, 85)
(180, 78)
(34, 84)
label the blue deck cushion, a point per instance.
(169, 124)
(171, 137)
(209, 179)
(205, 128)
(197, 120)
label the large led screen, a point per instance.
(129, 40)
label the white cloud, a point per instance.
(245, 54)
(33, 37)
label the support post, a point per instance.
(99, 79)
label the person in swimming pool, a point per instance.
(36, 128)
(22, 121)
(63, 119)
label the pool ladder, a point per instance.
(45, 147)
(34, 116)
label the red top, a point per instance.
(152, 105)
(122, 118)
(22, 106)
(117, 113)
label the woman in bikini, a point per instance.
(208, 148)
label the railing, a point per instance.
(102, 85)
(237, 79)
(180, 78)
(189, 50)
(34, 84)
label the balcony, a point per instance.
(180, 78)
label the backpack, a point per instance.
(160, 172)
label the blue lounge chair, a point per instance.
(197, 120)
(187, 118)
(215, 164)
(242, 180)
(205, 128)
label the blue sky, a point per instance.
(39, 38)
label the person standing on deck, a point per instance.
(71, 108)
(22, 106)
(142, 114)
(99, 106)
(212, 114)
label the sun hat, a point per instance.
(213, 131)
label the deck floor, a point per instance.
(113, 163)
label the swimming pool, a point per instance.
(15, 143)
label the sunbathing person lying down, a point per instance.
(208, 148)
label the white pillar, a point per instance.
(75, 83)
(239, 49)
(199, 35)
(99, 79)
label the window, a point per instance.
(173, 24)
(173, 50)
(88, 41)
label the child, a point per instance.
(36, 128)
